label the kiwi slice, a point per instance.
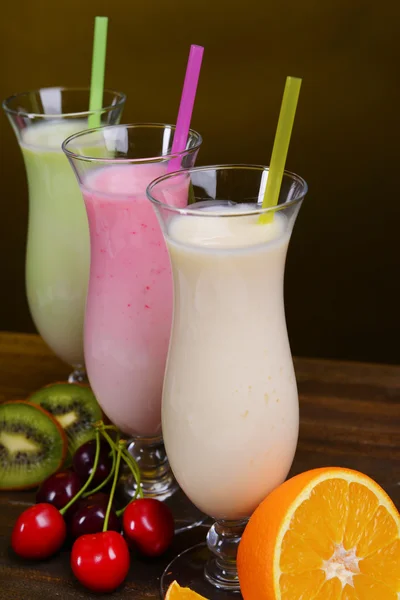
(32, 445)
(75, 407)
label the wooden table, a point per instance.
(350, 416)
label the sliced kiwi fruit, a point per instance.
(76, 409)
(33, 445)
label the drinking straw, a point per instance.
(98, 70)
(281, 146)
(187, 103)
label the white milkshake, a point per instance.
(230, 405)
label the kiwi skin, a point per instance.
(87, 432)
(62, 435)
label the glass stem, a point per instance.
(78, 375)
(157, 480)
(223, 540)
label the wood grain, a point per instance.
(350, 416)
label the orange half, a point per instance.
(176, 592)
(327, 534)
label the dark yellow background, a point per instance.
(342, 284)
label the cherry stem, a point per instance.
(111, 427)
(111, 473)
(133, 466)
(136, 475)
(90, 478)
(114, 485)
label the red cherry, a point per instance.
(89, 518)
(149, 525)
(100, 561)
(39, 532)
(59, 489)
(83, 461)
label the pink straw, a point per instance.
(187, 103)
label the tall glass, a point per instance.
(230, 413)
(57, 258)
(129, 306)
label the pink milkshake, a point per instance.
(129, 305)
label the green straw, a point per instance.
(98, 70)
(281, 146)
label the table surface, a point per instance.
(350, 417)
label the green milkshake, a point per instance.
(57, 261)
(57, 258)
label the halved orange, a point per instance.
(176, 592)
(327, 534)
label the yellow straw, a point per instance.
(98, 70)
(281, 146)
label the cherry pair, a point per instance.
(101, 560)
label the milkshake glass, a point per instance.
(230, 413)
(57, 257)
(129, 306)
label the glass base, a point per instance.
(78, 375)
(191, 569)
(186, 515)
